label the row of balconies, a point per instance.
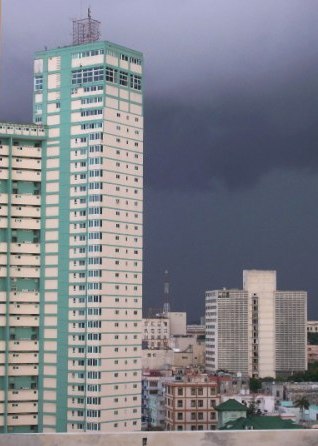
(20, 321)
(21, 308)
(20, 271)
(20, 420)
(20, 370)
(20, 395)
(21, 248)
(21, 296)
(21, 260)
(21, 345)
(26, 163)
(21, 175)
(21, 223)
(22, 358)
(26, 151)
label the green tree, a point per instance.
(303, 404)
(255, 385)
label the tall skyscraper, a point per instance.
(21, 151)
(89, 96)
(257, 331)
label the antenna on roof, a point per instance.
(166, 289)
(86, 30)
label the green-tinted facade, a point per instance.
(90, 98)
(21, 150)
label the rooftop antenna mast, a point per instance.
(86, 30)
(166, 290)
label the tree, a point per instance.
(303, 404)
(255, 385)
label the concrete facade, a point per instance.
(240, 438)
(90, 98)
(257, 331)
(22, 148)
(190, 402)
(156, 332)
(312, 326)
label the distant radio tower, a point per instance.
(85, 30)
(166, 286)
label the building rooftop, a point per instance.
(231, 405)
(259, 422)
(10, 128)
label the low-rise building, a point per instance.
(153, 401)
(265, 404)
(312, 326)
(312, 353)
(190, 402)
(156, 332)
(229, 411)
(293, 391)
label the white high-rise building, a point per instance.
(257, 331)
(89, 97)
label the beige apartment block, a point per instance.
(257, 331)
(190, 402)
(21, 150)
(156, 332)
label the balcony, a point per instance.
(23, 211)
(26, 259)
(24, 308)
(22, 420)
(25, 223)
(30, 152)
(23, 358)
(25, 248)
(26, 199)
(27, 296)
(24, 175)
(21, 321)
(24, 271)
(24, 345)
(23, 395)
(23, 370)
(26, 163)
(22, 407)
(3, 198)
(4, 174)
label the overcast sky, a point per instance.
(231, 131)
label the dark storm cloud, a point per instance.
(230, 87)
(235, 135)
(230, 99)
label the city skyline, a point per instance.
(220, 197)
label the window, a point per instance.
(90, 53)
(38, 83)
(135, 82)
(123, 78)
(86, 75)
(111, 75)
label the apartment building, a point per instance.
(22, 147)
(312, 326)
(90, 98)
(156, 332)
(190, 402)
(257, 331)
